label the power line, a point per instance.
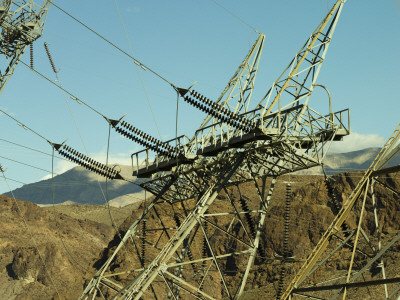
(137, 62)
(25, 127)
(80, 101)
(25, 164)
(235, 16)
(137, 68)
(32, 149)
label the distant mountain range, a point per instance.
(354, 161)
(84, 187)
(81, 186)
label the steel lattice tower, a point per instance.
(188, 241)
(364, 252)
(21, 23)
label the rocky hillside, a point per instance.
(312, 211)
(83, 187)
(45, 255)
(88, 243)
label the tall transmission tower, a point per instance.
(195, 238)
(21, 23)
(362, 248)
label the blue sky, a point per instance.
(188, 41)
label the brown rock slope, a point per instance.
(24, 276)
(55, 273)
(312, 210)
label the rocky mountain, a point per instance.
(354, 161)
(81, 186)
(73, 248)
(312, 210)
(350, 161)
(45, 254)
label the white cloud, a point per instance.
(357, 141)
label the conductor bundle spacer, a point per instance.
(87, 162)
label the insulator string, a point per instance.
(87, 162)
(31, 54)
(121, 131)
(50, 58)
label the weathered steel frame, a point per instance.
(24, 21)
(388, 151)
(291, 138)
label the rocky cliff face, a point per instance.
(312, 211)
(24, 274)
(45, 255)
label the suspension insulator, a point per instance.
(50, 58)
(205, 251)
(251, 225)
(336, 204)
(144, 143)
(8, 51)
(287, 220)
(31, 52)
(222, 110)
(188, 251)
(280, 283)
(144, 240)
(88, 159)
(167, 151)
(85, 162)
(247, 215)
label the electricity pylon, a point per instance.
(196, 238)
(21, 23)
(362, 247)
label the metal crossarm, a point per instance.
(21, 23)
(195, 230)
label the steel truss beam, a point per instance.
(21, 23)
(377, 247)
(198, 239)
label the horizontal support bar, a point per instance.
(385, 171)
(347, 285)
